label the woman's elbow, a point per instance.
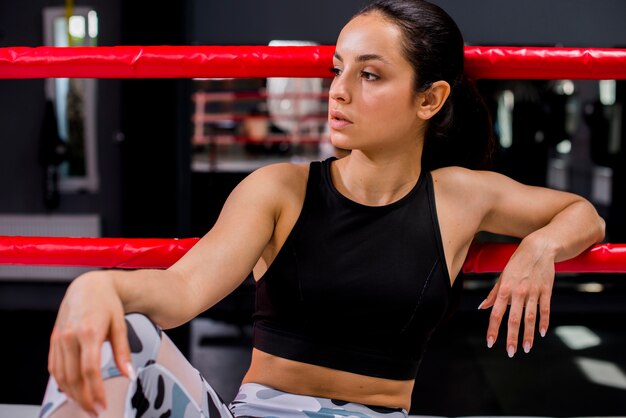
(600, 228)
(596, 222)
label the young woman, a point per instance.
(355, 259)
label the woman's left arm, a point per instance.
(554, 226)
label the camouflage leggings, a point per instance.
(168, 386)
(254, 400)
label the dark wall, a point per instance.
(568, 23)
(155, 118)
(584, 23)
(241, 22)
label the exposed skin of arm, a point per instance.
(246, 231)
(219, 262)
(554, 226)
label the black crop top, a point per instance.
(356, 288)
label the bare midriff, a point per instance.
(307, 379)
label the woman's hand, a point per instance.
(525, 284)
(90, 313)
(554, 226)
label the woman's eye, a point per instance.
(369, 76)
(336, 71)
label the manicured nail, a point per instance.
(511, 351)
(131, 371)
(527, 347)
(99, 408)
(490, 342)
(542, 331)
(482, 304)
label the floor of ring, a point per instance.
(459, 376)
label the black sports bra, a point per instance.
(356, 288)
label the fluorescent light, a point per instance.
(591, 287)
(564, 147)
(602, 372)
(92, 24)
(577, 337)
(608, 89)
(77, 26)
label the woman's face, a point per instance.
(372, 105)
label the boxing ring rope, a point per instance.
(282, 61)
(265, 61)
(133, 253)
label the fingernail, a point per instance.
(511, 351)
(542, 331)
(131, 371)
(527, 347)
(99, 408)
(490, 342)
(481, 304)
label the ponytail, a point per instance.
(461, 134)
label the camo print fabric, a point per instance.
(156, 392)
(254, 400)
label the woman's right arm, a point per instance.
(93, 308)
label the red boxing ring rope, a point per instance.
(602, 258)
(285, 61)
(137, 253)
(123, 253)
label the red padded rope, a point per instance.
(133, 253)
(289, 61)
(601, 258)
(123, 253)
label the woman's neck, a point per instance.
(376, 181)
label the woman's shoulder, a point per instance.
(468, 185)
(281, 173)
(460, 177)
(279, 179)
(453, 177)
(480, 186)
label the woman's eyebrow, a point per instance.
(364, 57)
(371, 57)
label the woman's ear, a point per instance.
(433, 99)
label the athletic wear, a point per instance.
(158, 390)
(165, 389)
(254, 400)
(354, 287)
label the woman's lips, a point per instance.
(338, 120)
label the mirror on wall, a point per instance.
(73, 103)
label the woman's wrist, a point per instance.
(542, 245)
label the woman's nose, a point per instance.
(339, 90)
